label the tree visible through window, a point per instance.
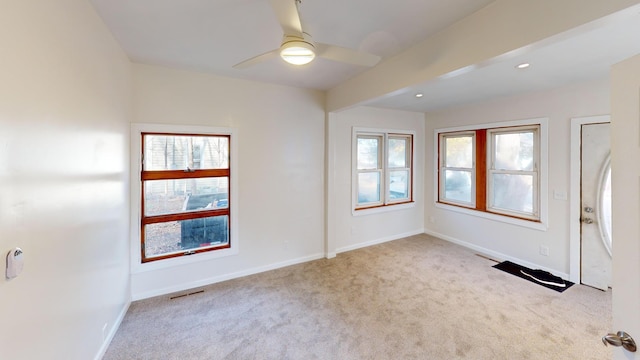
(185, 194)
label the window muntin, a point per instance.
(493, 170)
(383, 171)
(185, 194)
(457, 168)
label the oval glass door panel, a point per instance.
(605, 207)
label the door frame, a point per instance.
(575, 212)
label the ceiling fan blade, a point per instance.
(256, 59)
(346, 55)
(288, 16)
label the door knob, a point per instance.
(588, 209)
(587, 220)
(620, 339)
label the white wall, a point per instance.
(506, 241)
(65, 93)
(347, 232)
(280, 134)
(625, 128)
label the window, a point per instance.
(493, 170)
(458, 168)
(513, 172)
(185, 203)
(383, 168)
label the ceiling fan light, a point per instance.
(297, 52)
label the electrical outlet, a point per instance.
(559, 195)
(544, 250)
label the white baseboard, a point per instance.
(495, 254)
(225, 277)
(252, 271)
(112, 332)
(379, 241)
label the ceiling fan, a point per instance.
(298, 48)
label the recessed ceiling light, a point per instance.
(523, 66)
(419, 95)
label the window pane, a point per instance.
(513, 192)
(175, 196)
(459, 151)
(176, 236)
(397, 153)
(457, 185)
(169, 152)
(368, 153)
(514, 151)
(605, 214)
(399, 185)
(368, 187)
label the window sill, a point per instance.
(182, 260)
(541, 226)
(383, 209)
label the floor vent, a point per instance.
(186, 294)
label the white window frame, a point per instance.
(492, 170)
(443, 168)
(385, 203)
(135, 200)
(543, 202)
(408, 161)
(380, 169)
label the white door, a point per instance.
(625, 163)
(595, 205)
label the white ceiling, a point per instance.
(580, 55)
(214, 35)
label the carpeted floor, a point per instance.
(414, 298)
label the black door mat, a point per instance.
(539, 277)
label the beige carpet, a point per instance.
(414, 298)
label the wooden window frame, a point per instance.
(482, 163)
(150, 175)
